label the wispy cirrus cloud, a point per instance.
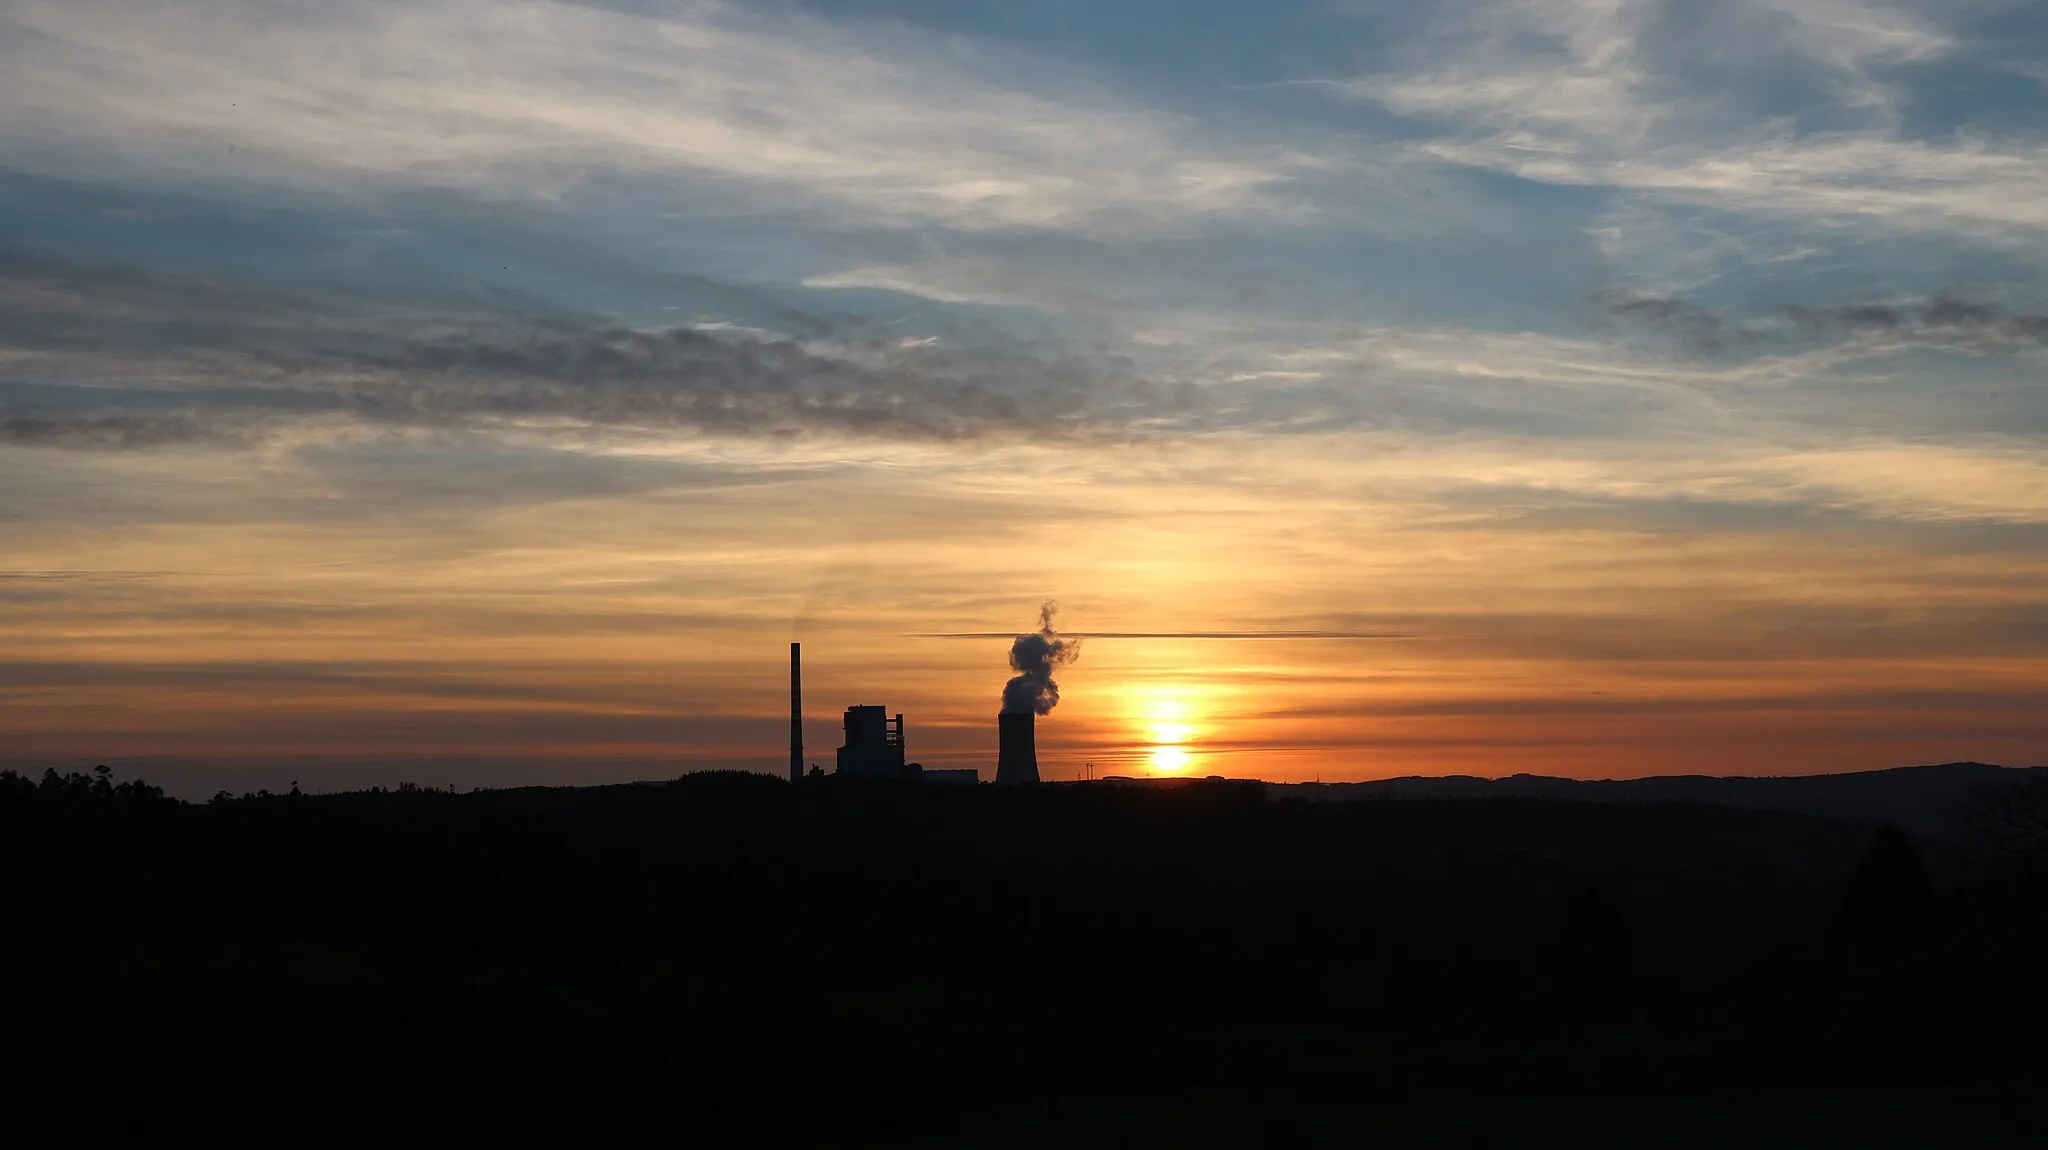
(759, 113)
(1782, 108)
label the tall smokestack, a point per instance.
(796, 712)
(1016, 749)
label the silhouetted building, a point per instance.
(874, 745)
(1016, 749)
(948, 778)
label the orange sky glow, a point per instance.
(644, 633)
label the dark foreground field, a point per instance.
(1078, 965)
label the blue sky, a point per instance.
(1463, 284)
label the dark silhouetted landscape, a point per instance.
(845, 960)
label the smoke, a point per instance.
(1033, 656)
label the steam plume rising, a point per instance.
(1033, 656)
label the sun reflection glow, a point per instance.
(1172, 732)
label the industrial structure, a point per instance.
(1016, 749)
(796, 712)
(874, 741)
(874, 744)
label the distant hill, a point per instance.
(1932, 800)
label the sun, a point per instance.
(1169, 760)
(1166, 718)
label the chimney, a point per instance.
(1016, 749)
(796, 713)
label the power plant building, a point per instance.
(874, 750)
(874, 744)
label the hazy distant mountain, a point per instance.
(1925, 800)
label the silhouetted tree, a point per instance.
(76, 788)
(1888, 905)
(2010, 828)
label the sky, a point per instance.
(486, 392)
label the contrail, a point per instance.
(1177, 635)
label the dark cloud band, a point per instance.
(1939, 322)
(130, 359)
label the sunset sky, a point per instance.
(486, 392)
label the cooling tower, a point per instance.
(1016, 749)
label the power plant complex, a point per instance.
(874, 747)
(874, 740)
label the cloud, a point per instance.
(1919, 704)
(82, 431)
(680, 377)
(110, 357)
(863, 124)
(619, 378)
(1765, 107)
(89, 576)
(133, 359)
(1940, 321)
(94, 356)
(1699, 329)
(1545, 75)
